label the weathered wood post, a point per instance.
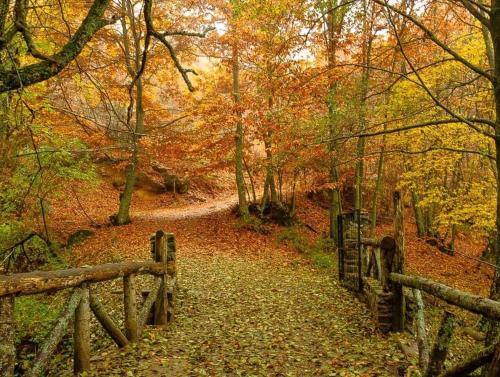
(340, 247)
(423, 347)
(107, 322)
(387, 250)
(495, 363)
(49, 346)
(81, 335)
(441, 345)
(398, 265)
(172, 275)
(130, 306)
(360, 249)
(7, 347)
(160, 255)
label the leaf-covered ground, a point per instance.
(247, 305)
(238, 316)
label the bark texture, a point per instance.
(440, 349)
(46, 281)
(56, 335)
(476, 304)
(11, 79)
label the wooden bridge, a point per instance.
(158, 306)
(375, 270)
(371, 268)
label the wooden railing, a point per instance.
(159, 304)
(381, 278)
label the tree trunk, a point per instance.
(419, 215)
(334, 23)
(399, 304)
(133, 67)
(270, 167)
(123, 216)
(239, 135)
(363, 92)
(494, 326)
(335, 197)
(378, 186)
(250, 178)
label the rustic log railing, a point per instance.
(158, 305)
(383, 281)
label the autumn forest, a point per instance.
(250, 188)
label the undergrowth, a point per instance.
(320, 252)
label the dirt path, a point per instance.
(241, 317)
(247, 306)
(187, 212)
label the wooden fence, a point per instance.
(375, 270)
(157, 309)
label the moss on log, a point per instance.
(16, 78)
(56, 335)
(423, 346)
(476, 304)
(471, 364)
(81, 334)
(440, 349)
(47, 281)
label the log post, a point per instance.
(130, 306)
(29, 283)
(473, 303)
(148, 306)
(469, 365)
(7, 346)
(398, 265)
(440, 349)
(387, 250)
(160, 255)
(81, 335)
(340, 247)
(107, 322)
(56, 335)
(495, 363)
(423, 347)
(172, 275)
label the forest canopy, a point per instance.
(345, 101)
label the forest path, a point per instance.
(188, 211)
(241, 316)
(247, 305)
(250, 306)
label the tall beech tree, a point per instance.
(333, 14)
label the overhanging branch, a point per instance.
(16, 78)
